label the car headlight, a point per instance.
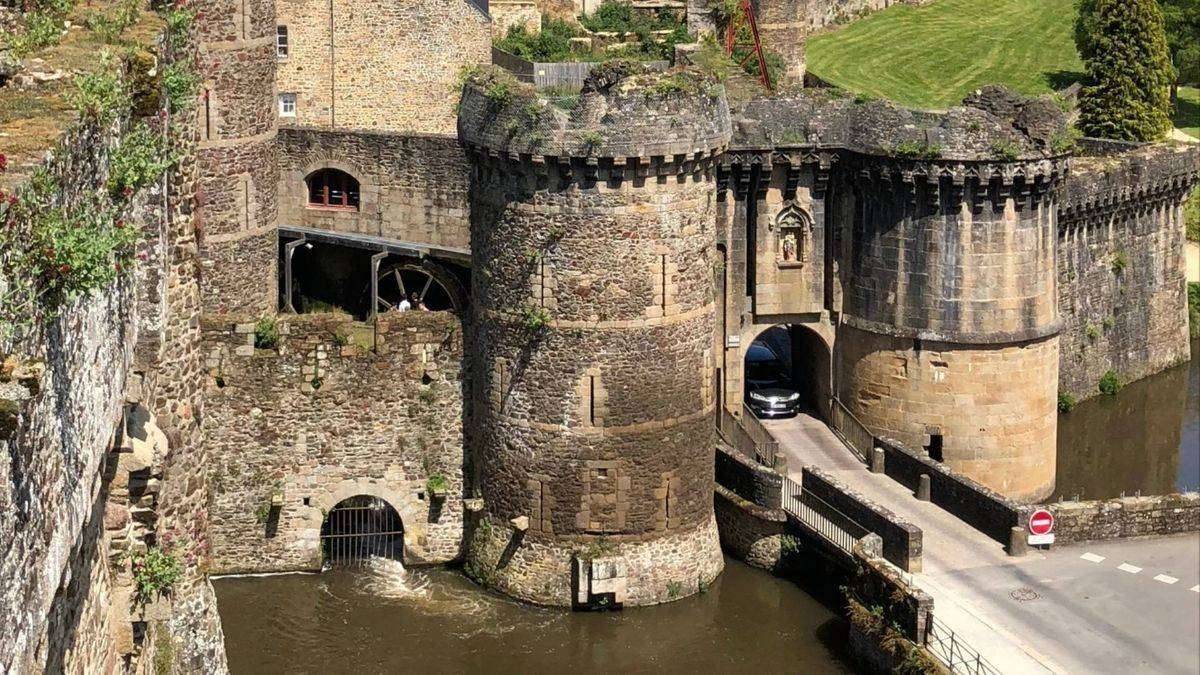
(758, 397)
(795, 395)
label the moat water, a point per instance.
(384, 619)
(1145, 439)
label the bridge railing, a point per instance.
(953, 652)
(821, 517)
(748, 436)
(851, 431)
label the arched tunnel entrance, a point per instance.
(786, 370)
(360, 528)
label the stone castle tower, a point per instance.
(591, 232)
(237, 156)
(949, 335)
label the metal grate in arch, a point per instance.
(360, 528)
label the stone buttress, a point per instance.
(592, 435)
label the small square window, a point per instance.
(281, 41)
(287, 105)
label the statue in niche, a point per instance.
(794, 230)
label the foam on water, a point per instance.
(388, 578)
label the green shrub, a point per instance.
(436, 483)
(536, 318)
(110, 24)
(1066, 141)
(100, 95)
(140, 158)
(1119, 262)
(1194, 309)
(181, 84)
(1127, 92)
(266, 333)
(79, 250)
(1092, 332)
(1066, 402)
(1110, 383)
(155, 572)
(1191, 216)
(916, 150)
(1006, 151)
(179, 25)
(42, 29)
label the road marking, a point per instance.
(1126, 567)
(1196, 588)
(1092, 557)
(1165, 579)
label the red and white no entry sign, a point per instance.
(1041, 522)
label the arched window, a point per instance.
(332, 189)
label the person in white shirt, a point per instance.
(404, 305)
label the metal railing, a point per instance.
(953, 652)
(748, 436)
(821, 517)
(852, 432)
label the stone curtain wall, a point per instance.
(413, 186)
(318, 422)
(239, 172)
(1126, 517)
(390, 66)
(57, 429)
(1122, 293)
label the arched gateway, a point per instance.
(359, 528)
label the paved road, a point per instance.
(1048, 612)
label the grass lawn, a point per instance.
(1187, 114)
(932, 56)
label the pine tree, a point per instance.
(1127, 93)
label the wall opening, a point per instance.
(786, 370)
(934, 447)
(360, 528)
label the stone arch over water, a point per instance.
(361, 527)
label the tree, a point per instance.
(1127, 92)
(1183, 40)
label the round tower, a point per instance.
(236, 156)
(949, 333)
(591, 230)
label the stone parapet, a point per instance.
(639, 120)
(1122, 518)
(901, 539)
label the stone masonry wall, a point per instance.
(413, 187)
(58, 425)
(593, 292)
(1125, 517)
(993, 405)
(337, 410)
(389, 66)
(239, 172)
(1122, 292)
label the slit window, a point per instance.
(331, 188)
(281, 41)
